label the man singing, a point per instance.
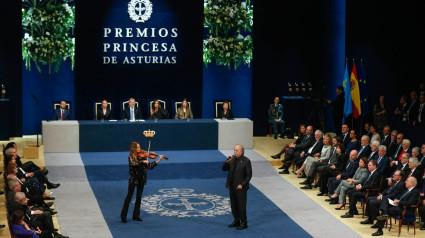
(240, 173)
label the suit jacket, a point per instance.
(399, 166)
(418, 174)
(365, 152)
(385, 140)
(241, 175)
(306, 143)
(395, 190)
(350, 168)
(373, 182)
(101, 116)
(346, 139)
(316, 149)
(229, 114)
(374, 156)
(408, 200)
(420, 114)
(66, 114)
(137, 113)
(397, 151)
(341, 163)
(413, 112)
(383, 164)
(181, 115)
(391, 148)
(360, 175)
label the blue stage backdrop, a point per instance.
(141, 49)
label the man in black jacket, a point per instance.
(240, 173)
(372, 182)
(132, 112)
(408, 198)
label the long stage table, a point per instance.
(106, 136)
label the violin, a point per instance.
(151, 155)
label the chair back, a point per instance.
(56, 105)
(177, 103)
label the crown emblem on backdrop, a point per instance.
(140, 10)
(149, 133)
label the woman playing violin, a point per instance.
(139, 165)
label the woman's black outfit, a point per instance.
(138, 173)
(100, 116)
(160, 114)
(228, 115)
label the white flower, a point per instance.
(243, 5)
(47, 33)
(240, 37)
(231, 13)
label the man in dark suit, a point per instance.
(373, 203)
(373, 150)
(398, 148)
(401, 110)
(62, 113)
(372, 182)
(391, 148)
(409, 198)
(240, 173)
(420, 118)
(348, 172)
(403, 165)
(413, 106)
(338, 108)
(415, 171)
(315, 149)
(132, 112)
(382, 160)
(296, 149)
(345, 134)
(421, 156)
(365, 149)
(386, 137)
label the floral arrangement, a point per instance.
(226, 21)
(48, 33)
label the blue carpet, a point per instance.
(164, 212)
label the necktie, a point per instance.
(404, 194)
(132, 113)
(379, 159)
(370, 175)
(62, 114)
(348, 165)
(360, 151)
(391, 143)
(392, 186)
(330, 157)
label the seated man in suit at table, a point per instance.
(62, 113)
(275, 117)
(132, 112)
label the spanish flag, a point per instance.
(355, 93)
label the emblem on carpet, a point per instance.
(182, 202)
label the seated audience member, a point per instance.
(380, 114)
(375, 134)
(15, 185)
(184, 112)
(225, 112)
(386, 137)
(33, 185)
(353, 144)
(364, 150)
(348, 184)
(373, 150)
(315, 149)
(416, 153)
(316, 166)
(398, 148)
(301, 134)
(28, 166)
(21, 229)
(345, 136)
(415, 171)
(373, 181)
(348, 172)
(413, 106)
(323, 155)
(382, 160)
(391, 148)
(402, 165)
(38, 174)
(132, 112)
(332, 170)
(62, 113)
(421, 157)
(374, 202)
(421, 208)
(104, 113)
(276, 118)
(408, 198)
(420, 114)
(157, 112)
(34, 217)
(401, 110)
(366, 130)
